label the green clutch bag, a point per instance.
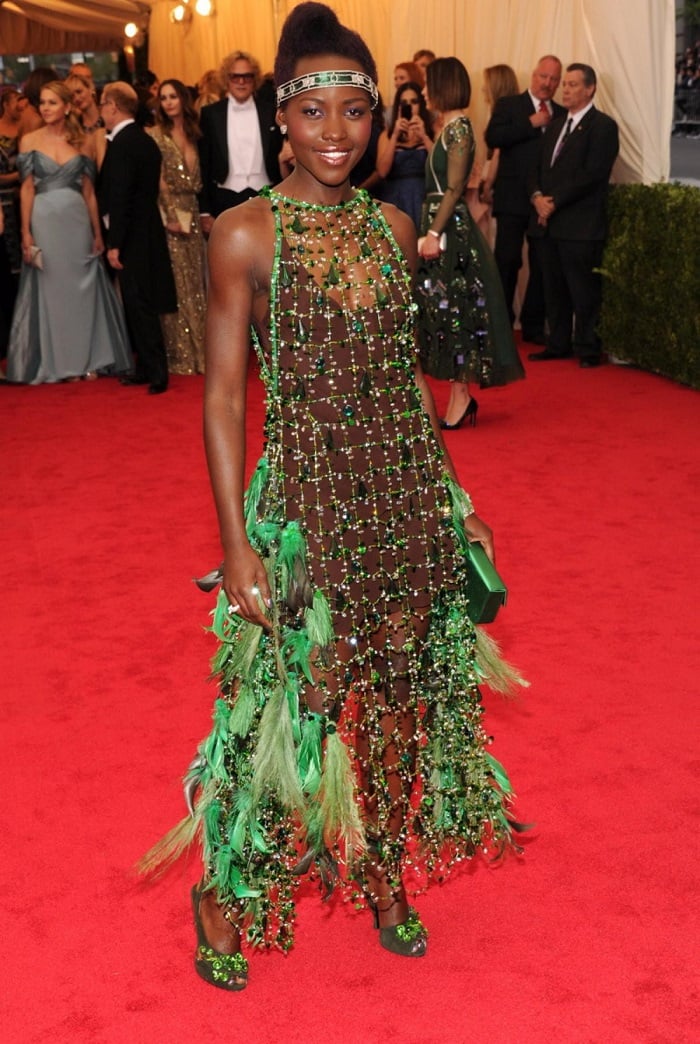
(485, 589)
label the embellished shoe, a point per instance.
(408, 939)
(228, 971)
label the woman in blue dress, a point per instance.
(403, 150)
(68, 322)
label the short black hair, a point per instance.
(313, 29)
(589, 76)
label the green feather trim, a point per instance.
(461, 507)
(295, 586)
(339, 813)
(318, 620)
(214, 747)
(275, 764)
(262, 534)
(170, 848)
(492, 669)
(499, 773)
(296, 650)
(255, 489)
(243, 652)
(243, 711)
(310, 756)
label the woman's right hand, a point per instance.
(27, 245)
(246, 587)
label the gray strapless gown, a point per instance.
(67, 318)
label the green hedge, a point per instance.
(651, 279)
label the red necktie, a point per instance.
(543, 107)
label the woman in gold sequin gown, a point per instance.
(347, 738)
(176, 135)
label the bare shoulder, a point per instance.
(30, 141)
(402, 227)
(243, 241)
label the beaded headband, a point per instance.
(328, 78)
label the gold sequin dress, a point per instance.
(354, 725)
(183, 331)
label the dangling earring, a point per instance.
(283, 128)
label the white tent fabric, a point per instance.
(630, 43)
(104, 18)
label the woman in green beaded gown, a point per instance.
(464, 331)
(347, 738)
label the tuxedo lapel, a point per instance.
(576, 136)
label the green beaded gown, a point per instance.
(354, 725)
(464, 332)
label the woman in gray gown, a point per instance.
(68, 322)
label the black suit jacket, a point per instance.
(510, 130)
(578, 179)
(213, 146)
(127, 191)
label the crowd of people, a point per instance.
(217, 144)
(686, 101)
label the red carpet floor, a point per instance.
(590, 480)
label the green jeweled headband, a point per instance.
(328, 78)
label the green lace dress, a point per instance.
(355, 723)
(464, 332)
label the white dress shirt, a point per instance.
(246, 166)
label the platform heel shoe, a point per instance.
(227, 971)
(408, 939)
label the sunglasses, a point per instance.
(241, 77)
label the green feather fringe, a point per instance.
(318, 621)
(492, 669)
(275, 763)
(338, 806)
(243, 711)
(310, 756)
(255, 489)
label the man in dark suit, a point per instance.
(137, 249)
(516, 128)
(240, 143)
(568, 190)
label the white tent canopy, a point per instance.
(630, 43)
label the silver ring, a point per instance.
(233, 608)
(255, 590)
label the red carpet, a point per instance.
(590, 481)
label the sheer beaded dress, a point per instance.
(354, 725)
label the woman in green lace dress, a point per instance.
(347, 738)
(463, 326)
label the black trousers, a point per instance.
(511, 230)
(573, 292)
(143, 324)
(224, 199)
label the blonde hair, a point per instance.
(501, 82)
(240, 56)
(73, 134)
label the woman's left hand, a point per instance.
(478, 532)
(430, 247)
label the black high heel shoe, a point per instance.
(469, 414)
(228, 971)
(408, 939)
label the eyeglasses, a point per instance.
(241, 77)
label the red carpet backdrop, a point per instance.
(590, 481)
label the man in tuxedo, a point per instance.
(516, 128)
(240, 140)
(568, 191)
(137, 249)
